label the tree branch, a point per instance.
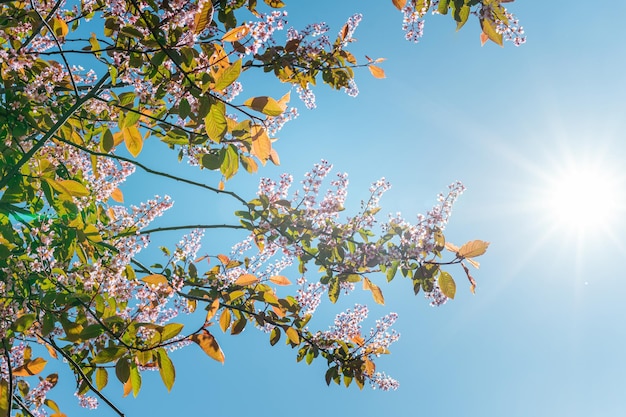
(79, 370)
(47, 135)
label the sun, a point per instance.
(582, 198)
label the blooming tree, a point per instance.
(71, 279)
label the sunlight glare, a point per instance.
(582, 199)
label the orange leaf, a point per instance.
(236, 34)
(155, 280)
(203, 18)
(280, 280)
(261, 144)
(377, 72)
(246, 279)
(473, 249)
(279, 311)
(117, 195)
(376, 292)
(483, 38)
(369, 366)
(209, 345)
(223, 259)
(274, 157)
(30, 368)
(215, 305)
(399, 4)
(128, 387)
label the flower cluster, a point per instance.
(262, 31)
(413, 22)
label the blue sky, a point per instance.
(542, 336)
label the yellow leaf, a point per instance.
(118, 138)
(266, 105)
(376, 292)
(399, 4)
(203, 17)
(225, 320)
(246, 279)
(69, 187)
(293, 335)
(59, 27)
(473, 249)
(209, 345)
(215, 305)
(236, 34)
(377, 72)
(133, 140)
(4, 397)
(117, 195)
(30, 368)
(280, 280)
(92, 233)
(155, 280)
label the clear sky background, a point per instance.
(544, 334)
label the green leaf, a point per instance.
(102, 378)
(230, 165)
(462, 15)
(489, 28)
(212, 160)
(91, 331)
(229, 75)
(274, 336)
(24, 322)
(215, 123)
(392, 269)
(108, 354)
(135, 378)
(166, 369)
(106, 141)
(447, 284)
(122, 370)
(334, 290)
(443, 6)
(171, 330)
